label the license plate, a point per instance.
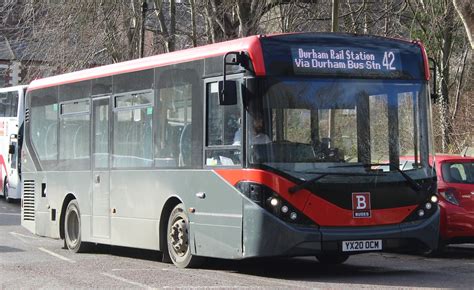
(357, 246)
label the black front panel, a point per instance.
(342, 55)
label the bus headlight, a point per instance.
(273, 203)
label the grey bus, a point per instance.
(270, 145)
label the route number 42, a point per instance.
(388, 60)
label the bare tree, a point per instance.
(465, 9)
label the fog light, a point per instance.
(284, 209)
(293, 216)
(428, 205)
(421, 213)
(274, 201)
(434, 199)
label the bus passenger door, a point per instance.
(100, 168)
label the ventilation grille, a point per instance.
(28, 200)
(27, 115)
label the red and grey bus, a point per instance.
(278, 145)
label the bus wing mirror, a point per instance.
(11, 149)
(433, 81)
(227, 93)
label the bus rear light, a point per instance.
(273, 203)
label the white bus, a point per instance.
(11, 106)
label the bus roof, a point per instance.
(250, 44)
(261, 49)
(12, 89)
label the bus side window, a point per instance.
(43, 126)
(223, 129)
(175, 134)
(132, 131)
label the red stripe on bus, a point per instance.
(425, 60)
(4, 166)
(250, 44)
(317, 209)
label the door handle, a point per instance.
(97, 178)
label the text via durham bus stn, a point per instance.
(345, 59)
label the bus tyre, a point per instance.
(5, 192)
(72, 229)
(433, 253)
(332, 259)
(177, 237)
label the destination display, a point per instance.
(329, 60)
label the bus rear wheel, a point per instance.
(72, 229)
(332, 259)
(177, 237)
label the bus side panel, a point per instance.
(216, 223)
(29, 191)
(51, 189)
(139, 196)
(78, 183)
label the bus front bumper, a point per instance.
(266, 235)
(423, 234)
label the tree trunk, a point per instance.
(172, 30)
(465, 9)
(447, 44)
(193, 22)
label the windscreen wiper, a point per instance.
(413, 184)
(321, 175)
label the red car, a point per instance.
(456, 198)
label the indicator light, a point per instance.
(421, 213)
(428, 205)
(284, 209)
(434, 199)
(293, 216)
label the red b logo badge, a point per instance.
(361, 205)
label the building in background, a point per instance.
(10, 62)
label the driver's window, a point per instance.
(224, 130)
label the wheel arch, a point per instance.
(165, 214)
(70, 196)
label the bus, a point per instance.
(271, 145)
(11, 106)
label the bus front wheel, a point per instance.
(5, 191)
(178, 239)
(332, 259)
(72, 229)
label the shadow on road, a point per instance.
(461, 252)
(404, 271)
